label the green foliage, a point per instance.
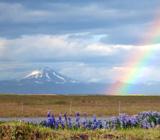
(26, 131)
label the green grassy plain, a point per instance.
(38, 105)
(24, 131)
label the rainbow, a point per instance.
(137, 60)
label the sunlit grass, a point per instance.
(38, 105)
(24, 131)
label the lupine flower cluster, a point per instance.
(149, 119)
(141, 120)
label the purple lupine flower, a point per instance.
(69, 122)
(94, 123)
(94, 119)
(77, 120)
(99, 124)
(60, 121)
(49, 120)
(60, 117)
(144, 119)
(53, 119)
(66, 120)
(84, 122)
(145, 124)
(56, 124)
(62, 124)
(48, 114)
(77, 114)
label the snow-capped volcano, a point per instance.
(47, 75)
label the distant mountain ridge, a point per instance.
(46, 75)
(48, 81)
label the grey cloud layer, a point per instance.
(82, 53)
(53, 48)
(84, 47)
(59, 17)
(95, 37)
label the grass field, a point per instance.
(22, 131)
(38, 105)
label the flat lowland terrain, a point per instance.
(38, 105)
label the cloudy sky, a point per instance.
(87, 40)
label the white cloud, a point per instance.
(87, 72)
(78, 49)
(94, 73)
(140, 74)
(67, 47)
(99, 49)
(41, 47)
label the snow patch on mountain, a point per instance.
(47, 75)
(35, 74)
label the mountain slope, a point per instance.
(46, 75)
(48, 81)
